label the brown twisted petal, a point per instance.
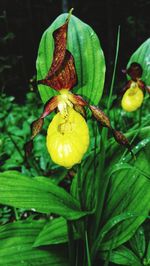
(121, 139)
(37, 125)
(141, 84)
(80, 109)
(28, 146)
(77, 99)
(100, 116)
(125, 88)
(148, 89)
(50, 106)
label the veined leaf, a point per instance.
(142, 56)
(129, 191)
(16, 246)
(138, 242)
(85, 47)
(54, 232)
(83, 185)
(39, 194)
(115, 221)
(122, 256)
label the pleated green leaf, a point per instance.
(142, 56)
(39, 194)
(85, 179)
(85, 47)
(16, 246)
(54, 232)
(138, 242)
(129, 191)
(122, 256)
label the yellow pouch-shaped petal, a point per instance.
(132, 99)
(67, 139)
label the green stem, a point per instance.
(100, 185)
(80, 186)
(102, 182)
(16, 214)
(87, 249)
(71, 247)
(114, 71)
(140, 116)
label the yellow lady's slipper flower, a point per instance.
(134, 89)
(68, 135)
(132, 98)
(67, 138)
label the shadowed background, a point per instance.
(22, 24)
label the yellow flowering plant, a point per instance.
(68, 134)
(135, 88)
(96, 212)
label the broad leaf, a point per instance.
(142, 56)
(39, 194)
(84, 45)
(122, 256)
(16, 246)
(138, 242)
(129, 191)
(54, 232)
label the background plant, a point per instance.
(99, 209)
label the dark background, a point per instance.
(22, 23)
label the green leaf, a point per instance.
(54, 232)
(129, 192)
(122, 256)
(148, 253)
(138, 242)
(16, 246)
(85, 47)
(83, 184)
(142, 56)
(107, 229)
(39, 194)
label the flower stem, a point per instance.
(71, 246)
(102, 182)
(114, 70)
(87, 249)
(16, 214)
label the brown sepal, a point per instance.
(60, 41)
(62, 73)
(100, 116)
(65, 77)
(134, 71)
